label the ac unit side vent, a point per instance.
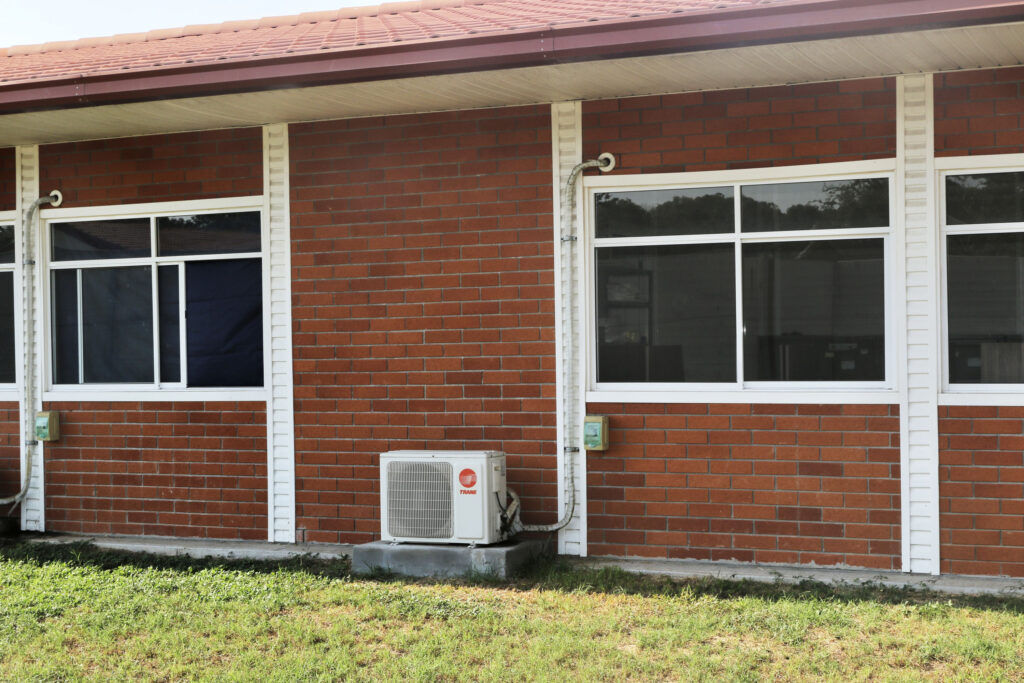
(420, 499)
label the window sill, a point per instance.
(108, 393)
(988, 395)
(781, 396)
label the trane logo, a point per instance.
(467, 478)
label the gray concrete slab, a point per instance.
(946, 583)
(228, 549)
(424, 559)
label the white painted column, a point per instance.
(277, 326)
(26, 241)
(570, 355)
(920, 362)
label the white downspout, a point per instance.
(28, 263)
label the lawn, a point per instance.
(79, 613)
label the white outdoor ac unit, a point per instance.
(443, 497)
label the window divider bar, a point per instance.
(81, 334)
(182, 332)
(155, 297)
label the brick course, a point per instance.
(979, 112)
(745, 128)
(981, 489)
(422, 304)
(753, 483)
(155, 168)
(10, 454)
(8, 180)
(159, 469)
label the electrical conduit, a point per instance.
(28, 377)
(568, 239)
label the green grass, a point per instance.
(79, 613)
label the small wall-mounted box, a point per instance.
(47, 425)
(595, 432)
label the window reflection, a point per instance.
(693, 211)
(819, 205)
(985, 198)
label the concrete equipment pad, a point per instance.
(423, 559)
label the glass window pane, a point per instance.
(88, 240)
(694, 211)
(985, 302)
(65, 326)
(985, 198)
(224, 324)
(6, 244)
(666, 314)
(814, 311)
(117, 324)
(817, 205)
(7, 327)
(170, 324)
(212, 233)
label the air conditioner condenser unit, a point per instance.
(444, 497)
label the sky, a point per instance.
(23, 22)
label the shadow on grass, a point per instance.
(544, 573)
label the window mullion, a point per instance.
(182, 331)
(156, 323)
(738, 260)
(81, 333)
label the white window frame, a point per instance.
(154, 210)
(877, 392)
(8, 390)
(969, 394)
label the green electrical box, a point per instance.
(595, 432)
(47, 425)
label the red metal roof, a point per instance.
(324, 32)
(434, 37)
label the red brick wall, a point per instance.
(160, 469)
(981, 488)
(10, 457)
(8, 180)
(423, 303)
(979, 112)
(203, 165)
(761, 483)
(749, 128)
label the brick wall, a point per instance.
(8, 180)
(746, 128)
(979, 112)
(154, 168)
(423, 303)
(10, 457)
(761, 483)
(981, 487)
(160, 469)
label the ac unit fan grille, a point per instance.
(420, 499)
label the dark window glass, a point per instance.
(88, 240)
(224, 323)
(817, 205)
(7, 327)
(117, 324)
(65, 326)
(213, 233)
(694, 211)
(666, 314)
(170, 324)
(814, 311)
(985, 281)
(985, 198)
(6, 244)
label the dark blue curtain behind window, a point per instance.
(223, 309)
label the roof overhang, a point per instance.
(835, 58)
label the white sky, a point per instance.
(25, 22)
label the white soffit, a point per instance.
(821, 60)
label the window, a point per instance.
(984, 251)
(169, 301)
(7, 356)
(739, 283)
